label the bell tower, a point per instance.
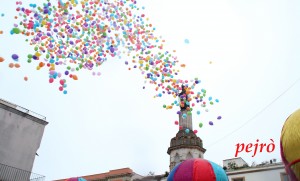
(186, 144)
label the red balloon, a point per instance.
(51, 80)
(62, 82)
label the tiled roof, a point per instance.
(111, 173)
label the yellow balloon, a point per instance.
(290, 144)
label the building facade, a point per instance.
(268, 171)
(21, 132)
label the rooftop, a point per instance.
(257, 168)
(23, 111)
(110, 174)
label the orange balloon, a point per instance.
(2, 59)
(25, 78)
(75, 77)
(41, 64)
(17, 65)
(11, 65)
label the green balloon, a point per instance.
(16, 30)
(200, 125)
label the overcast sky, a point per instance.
(246, 53)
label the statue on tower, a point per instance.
(183, 98)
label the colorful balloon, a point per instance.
(17, 65)
(290, 145)
(197, 170)
(14, 56)
(72, 36)
(200, 125)
(11, 65)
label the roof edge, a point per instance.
(23, 112)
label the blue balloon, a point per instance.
(187, 131)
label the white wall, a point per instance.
(182, 153)
(267, 175)
(20, 137)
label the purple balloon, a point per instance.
(14, 56)
(211, 123)
(219, 117)
(112, 49)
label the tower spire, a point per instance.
(186, 144)
(185, 116)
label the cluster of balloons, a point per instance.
(200, 124)
(71, 36)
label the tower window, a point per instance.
(189, 156)
(177, 159)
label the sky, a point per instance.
(246, 54)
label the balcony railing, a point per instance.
(8, 173)
(22, 109)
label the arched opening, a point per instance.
(189, 156)
(177, 159)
